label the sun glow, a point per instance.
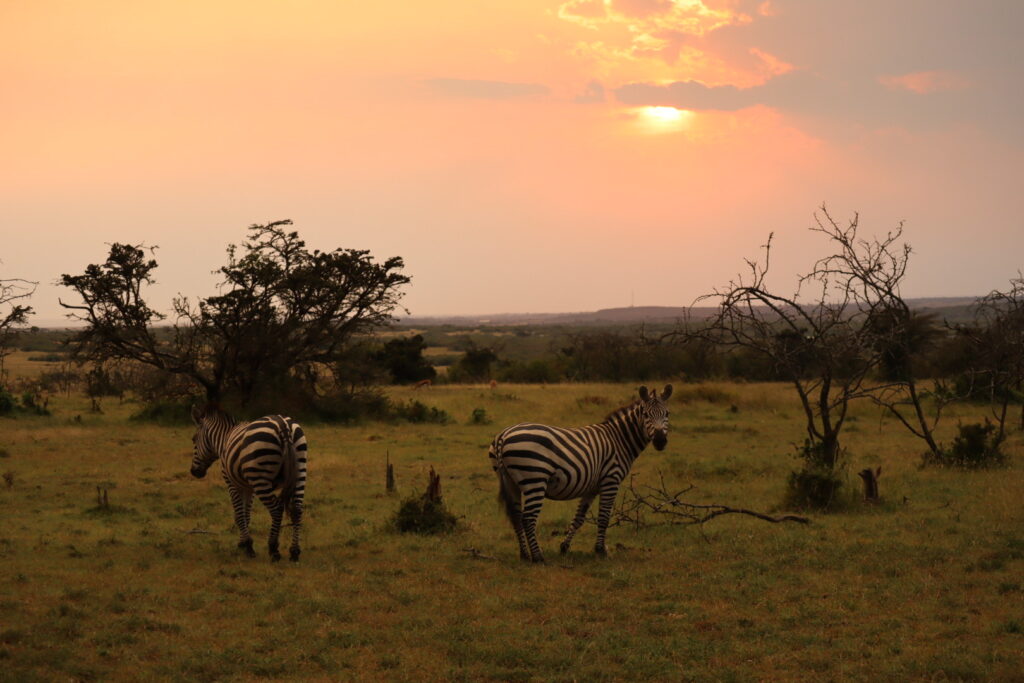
(663, 119)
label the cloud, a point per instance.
(589, 13)
(641, 8)
(688, 95)
(594, 92)
(926, 82)
(834, 106)
(485, 90)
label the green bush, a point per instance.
(815, 485)
(48, 358)
(422, 515)
(415, 411)
(977, 445)
(7, 402)
(165, 413)
(812, 488)
(479, 417)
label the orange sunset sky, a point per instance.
(520, 155)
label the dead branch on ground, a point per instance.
(637, 504)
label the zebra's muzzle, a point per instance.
(660, 439)
(198, 472)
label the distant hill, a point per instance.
(954, 309)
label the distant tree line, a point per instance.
(309, 331)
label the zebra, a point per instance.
(265, 457)
(537, 461)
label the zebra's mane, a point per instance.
(213, 410)
(622, 410)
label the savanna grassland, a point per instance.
(928, 584)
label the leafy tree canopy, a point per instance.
(283, 315)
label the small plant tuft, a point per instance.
(479, 417)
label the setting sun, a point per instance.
(662, 119)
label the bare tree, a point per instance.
(871, 272)
(825, 339)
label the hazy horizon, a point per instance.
(542, 156)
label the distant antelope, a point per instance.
(535, 461)
(494, 383)
(266, 457)
(423, 384)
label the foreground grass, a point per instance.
(929, 584)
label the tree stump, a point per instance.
(870, 478)
(433, 493)
(102, 501)
(389, 475)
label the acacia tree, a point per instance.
(822, 339)
(13, 314)
(282, 318)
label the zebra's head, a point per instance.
(655, 415)
(204, 452)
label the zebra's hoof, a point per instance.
(538, 560)
(601, 552)
(564, 549)
(294, 555)
(275, 557)
(247, 547)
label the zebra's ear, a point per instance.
(668, 392)
(197, 415)
(644, 395)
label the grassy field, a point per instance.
(929, 584)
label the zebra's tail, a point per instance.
(289, 464)
(509, 495)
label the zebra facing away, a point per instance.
(265, 458)
(535, 461)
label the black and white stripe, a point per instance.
(535, 461)
(265, 458)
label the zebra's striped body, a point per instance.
(265, 458)
(534, 462)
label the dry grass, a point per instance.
(926, 585)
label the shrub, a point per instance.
(815, 485)
(425, 514)
(538, 371)
(977, 445)
(479, 417)
(7, 402)
(48, 358)
(415, 411)
(812, 488)
(165, 412)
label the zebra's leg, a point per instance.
(297, 502)
(533, 501)
(295, 512)
(517, 526)
(577, 522)
(604, 516)
(276, 509)
(241, 501)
